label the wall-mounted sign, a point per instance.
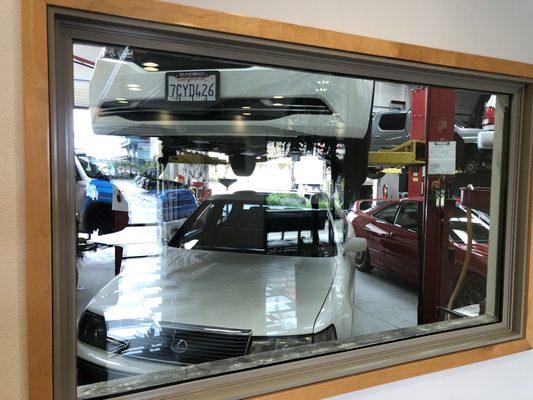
(441, 158)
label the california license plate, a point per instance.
(192, 87)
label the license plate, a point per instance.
(192, 87)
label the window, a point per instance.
(480, 226)
(392, 122)
(208, 236)
(408, 216)
(387, 214)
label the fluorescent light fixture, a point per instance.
(151, 69)
(246, 113)
(278, 97)
(135, 89)
(131, 85)
(123, 101)
(277, 104)
(120, 99)
(150, 64)
(246, 107)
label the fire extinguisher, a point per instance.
(385, 192)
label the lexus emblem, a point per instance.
(179, 346)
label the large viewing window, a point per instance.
(221, 212)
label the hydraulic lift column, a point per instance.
(436, 115)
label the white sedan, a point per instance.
(185, 95)
(246, 273)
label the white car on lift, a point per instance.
(210, 105)
(188, 95)
(246, 273)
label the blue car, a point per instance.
(176, 204)
(95, 207)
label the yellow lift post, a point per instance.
(409, 153)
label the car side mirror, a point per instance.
(355, 245)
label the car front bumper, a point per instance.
(92, 373)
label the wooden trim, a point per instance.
(175, 14)
(38, 199)
(377, 377)
(37, 165)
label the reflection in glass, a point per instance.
(229, 210)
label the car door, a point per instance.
(401, 244)
(376, 229)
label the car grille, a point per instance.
(190, 344)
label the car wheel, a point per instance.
(473, 291)
(374, 173)
(362, 261)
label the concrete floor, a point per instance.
(382, 302)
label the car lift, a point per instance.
(406, 154)
(433, 117)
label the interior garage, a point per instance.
(249, 203)
(395, 173)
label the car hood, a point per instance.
(271, 295)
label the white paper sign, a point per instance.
(441, 158)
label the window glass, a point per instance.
(230, 210)
(408, 216)
(392, 122)
(387, 214)
(459, 225)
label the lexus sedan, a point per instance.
(246, 273)
(391, 229)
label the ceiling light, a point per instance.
(135, 89)
(151, 69)
(150, 64)
(278, 97)
(246, 113)
(130, 85)
(123, 101)
(246, 107)
(277, 104)
(120, 99)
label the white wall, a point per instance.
(491, 27)
(497, 28)
(12, 296)
(502, 378)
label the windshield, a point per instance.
(275, 224)
(458, 227)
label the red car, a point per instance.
(391, 229)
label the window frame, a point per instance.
(268, 379)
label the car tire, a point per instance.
(374, 173)
(100, 217)
(473, 291)
(361, 261)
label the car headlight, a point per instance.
(266, 343)
(325, 335)
(92, 330)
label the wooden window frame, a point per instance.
(38, 168)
